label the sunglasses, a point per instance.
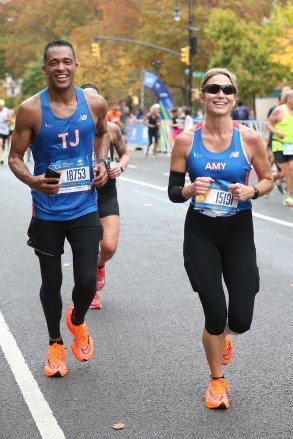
(213, 89)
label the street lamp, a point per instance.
(191, 42)
(176, 13)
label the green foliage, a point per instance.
(33, 79)
(245, 48)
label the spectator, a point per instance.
(4, 127)
(114, 115)
(240, 112)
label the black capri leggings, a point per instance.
(216, 248)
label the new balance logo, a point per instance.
(234, 154)
(83, 117)
(48, 125)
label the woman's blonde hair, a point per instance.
(218, 71)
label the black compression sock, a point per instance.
(75, 322)
(51, 342)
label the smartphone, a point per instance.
(51, 173)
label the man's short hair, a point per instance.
(58, 43)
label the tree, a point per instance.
(281, 26)
(244, 48)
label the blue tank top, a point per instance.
(66, 144)
(230, 166)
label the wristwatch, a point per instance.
(256, 193)
(122, 169)
(104, 161)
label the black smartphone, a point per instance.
(51, 173)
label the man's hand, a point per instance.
(280, 134)
(115, 170)
(48, 186)
(100, 175)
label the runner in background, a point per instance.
(153, 120)
(108, 206)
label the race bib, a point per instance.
(75, 175)
(217, 201)
(288, 148)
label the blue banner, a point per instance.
(137, 134)
(153, 82)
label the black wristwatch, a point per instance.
(256, 193)
(104, 161)
(122, 169)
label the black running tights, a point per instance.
(85, 272)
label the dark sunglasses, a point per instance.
(213, 89)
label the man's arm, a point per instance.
(275, 117)
(26, 120)
(101, 141)
(121, 149)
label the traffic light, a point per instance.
(96, 50)
(185, 55)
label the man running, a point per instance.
(280, 124)
(108, 207)
(61, 124)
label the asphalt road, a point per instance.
(149, 370)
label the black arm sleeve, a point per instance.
(176, 183)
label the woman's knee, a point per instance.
(241, 322)
(216, 325)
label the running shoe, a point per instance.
(280, 188)
(101, 278)
(216, 397)
(228, 351)
(82, 345)
(55, 366)
(288, 200)
(96, 303)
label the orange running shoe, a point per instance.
(216, 397)
(228, 351)
(101, 278)
(96, 303)
(55, 366)
(82, 345)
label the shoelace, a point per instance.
(55, 354)
(81, 334)
(219, 386)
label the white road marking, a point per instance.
(141, 183)
(272, 219)
(257, 215)
(38, 406)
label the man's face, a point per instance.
(60, 67)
